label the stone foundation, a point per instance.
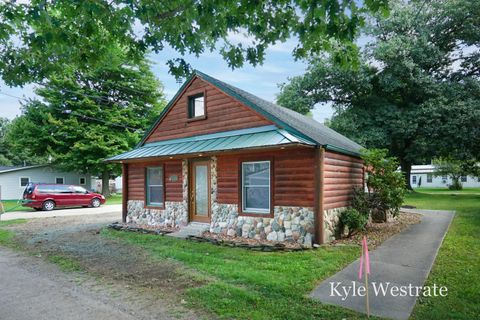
(294, 224)
(174, 214)
(331, 224)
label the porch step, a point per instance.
(192, 229)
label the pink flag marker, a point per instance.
(367, 258)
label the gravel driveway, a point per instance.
(118, 282)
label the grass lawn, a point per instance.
(446, 191)
(6, 236)
(458, 262)
(114, 199)
(244, 284)
(12, 205)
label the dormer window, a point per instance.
(196, 106)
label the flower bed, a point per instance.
(378, 232)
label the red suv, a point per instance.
(44, 196)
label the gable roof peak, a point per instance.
(288, 119)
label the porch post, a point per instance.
(124, 191)
(318, 210)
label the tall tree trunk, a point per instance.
(106, 183)
(406, 168)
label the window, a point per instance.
(155, 190)
(429, 178)
(463, 178)
(59, 180)
(196, 106)
(414, 179)
(24, 181)
(256, 187)
(83, 181)
(46, 188)
(77, 189)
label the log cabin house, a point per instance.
(241, 165)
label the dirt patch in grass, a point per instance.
(79, 244)
(379, 232)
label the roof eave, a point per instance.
(208, 153)
(342, 150)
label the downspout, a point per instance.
(124, 192)
(318, 217)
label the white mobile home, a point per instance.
(422, 176)
(14, 179)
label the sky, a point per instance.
(262, 80)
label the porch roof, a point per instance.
(258, 137)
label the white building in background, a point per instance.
(422, 176)
(13, 180)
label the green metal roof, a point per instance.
(222, 141)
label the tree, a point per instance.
(91, 115)
(40, 37)
(416, 90)
(451, 168)
(4, 161)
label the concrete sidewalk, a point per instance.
(404, 259)
(67, 212)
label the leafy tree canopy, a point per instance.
(416, 91)
(42, 36)
(87, 116)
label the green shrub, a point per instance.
(361, 201)
(386, 185)
(456, 185)
(354, 220)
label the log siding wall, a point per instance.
(223, 113)
(293, 177)
(136, 180)
(341, 174)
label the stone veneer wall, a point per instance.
(174, 214)
(294, 224)
(331, 223)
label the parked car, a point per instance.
(44, 196)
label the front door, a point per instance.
(200, 191)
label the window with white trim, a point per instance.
(463, 178)
(154, 185)
(429, 178)
(59, 180)
(256, 190)
(196, 106)
(24, 181)
(82, 181)
(414, 179)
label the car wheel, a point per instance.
(48, 205)
(95, 203)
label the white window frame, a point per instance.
(191, 106)
(414, 179)
(147, 185)
(462, 179)
(429, 177)
(243, 204)
(80, 181)
(63, 179)
(20, 181)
